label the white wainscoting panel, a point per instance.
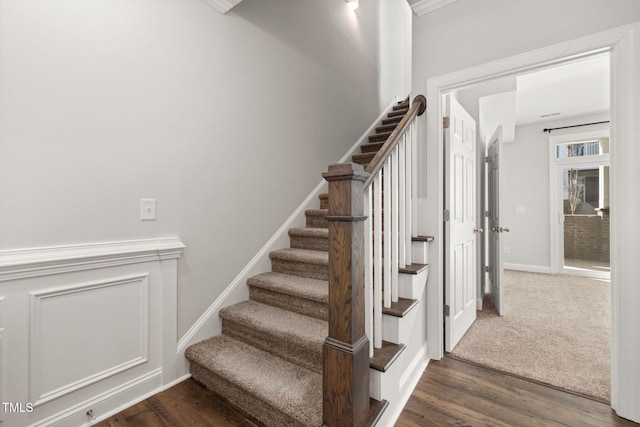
(86, 327)
(84, 333)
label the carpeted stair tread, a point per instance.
(391, 120)
(301, 255)
(386, 128)
(292, 336)
(371, 147)
(397, 113)
(377, 137)
(264, 378)
(310, 238)
(315, 217)
(363, 158)
(302, 287)
(316, 212)
(309, 232)
(324, 200)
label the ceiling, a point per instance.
(575, 89)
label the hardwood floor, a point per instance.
(450, 393)
(455, 393)
(184, 405)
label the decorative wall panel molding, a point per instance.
(32, 262)
(87, 327)
(113, 314)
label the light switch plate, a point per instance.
(520, 209)
(147, 209)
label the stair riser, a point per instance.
(307, 307)
(312, 271)
(317, 222)
(313, 243)
(310, 358)
(241, 398)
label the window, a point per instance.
(582, 148)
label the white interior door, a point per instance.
(494, 189)
(461, 228)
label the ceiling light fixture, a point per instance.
(353, 4)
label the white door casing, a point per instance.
(460, 230)
(622, 42)
(495, 230)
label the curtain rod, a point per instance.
(575, 126)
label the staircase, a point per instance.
(268, 361)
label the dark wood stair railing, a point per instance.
(346, 358)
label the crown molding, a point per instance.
(423, 7)
(222, 6)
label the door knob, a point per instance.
(505, 229)
(495, 229)
(478, 230)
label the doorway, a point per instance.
(580, 203)
(516, 212)
(625, 105)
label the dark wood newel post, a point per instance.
(346, 349)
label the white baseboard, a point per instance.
(209, 323)
(118, 398)
(526, 267)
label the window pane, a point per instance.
(583, 148)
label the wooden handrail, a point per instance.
(418, 107)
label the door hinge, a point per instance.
(486, 160)
(486, 269)
(446, 215)
(486, 214)
(445, 122)
(446, 310)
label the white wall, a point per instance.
(468, 32)
(525, 171)
(227, 120)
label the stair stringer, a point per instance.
(209, 323)
(397, 383)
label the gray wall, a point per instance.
(227, 120)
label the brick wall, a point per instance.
(586, 237)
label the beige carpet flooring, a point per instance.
(555, 330)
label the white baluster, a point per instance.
(377, 261)
(414, 180)
(368, 270)
(402, 204)
(407, 210)
(386, 171)
(394, 225)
